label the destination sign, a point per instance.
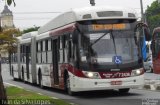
(98, 27)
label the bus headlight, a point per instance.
(93, 75)
(137, 72)
(90, 74)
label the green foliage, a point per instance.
(9, 2)
(153, 15)
(8, 39)
(35, 28)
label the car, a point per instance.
(148, 65)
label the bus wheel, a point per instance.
(67, 85)
(126, 90)
(40, 80)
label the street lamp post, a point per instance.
(142, 15)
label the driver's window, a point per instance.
(85, 41)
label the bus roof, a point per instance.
(88, 13)
(29, 35)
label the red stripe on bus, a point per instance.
(63, 30)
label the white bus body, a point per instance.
(26, 60)
(55, 52)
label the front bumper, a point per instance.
(87, 84)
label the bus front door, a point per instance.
(55, 61)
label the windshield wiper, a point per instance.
(114, 43)
(99, 38)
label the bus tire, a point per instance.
(67, 85)
(40, 79)
(125, 90)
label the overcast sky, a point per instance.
(28, 13)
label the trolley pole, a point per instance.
(92, 2)
(143, 38)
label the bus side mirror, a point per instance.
(75, 36)
(146, 30)
(147, 34)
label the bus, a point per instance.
(155, 47)
(22, 66)
(85, 49)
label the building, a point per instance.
(6, 18)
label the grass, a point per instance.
(22, 95)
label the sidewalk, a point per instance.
(152, 81)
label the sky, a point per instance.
(30, 13)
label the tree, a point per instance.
(8, 39)
(7, 42)
(35, 28)
(153, 16)
(2, 90)
(9, 2)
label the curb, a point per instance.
(152, 85)
(9, 84)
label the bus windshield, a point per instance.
(107, 45)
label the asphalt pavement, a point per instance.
(134, 97)
(152, 81)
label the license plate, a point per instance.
(116, 82)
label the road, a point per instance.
(134, 97)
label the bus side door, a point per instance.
(55, 53)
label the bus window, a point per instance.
(60, 50)
(49, 52)
(39, 59)
(44, 52)
(49, 45)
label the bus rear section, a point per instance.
(15, 61)
(23, 65)
(155, 47)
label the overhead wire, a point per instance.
(37, 13)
